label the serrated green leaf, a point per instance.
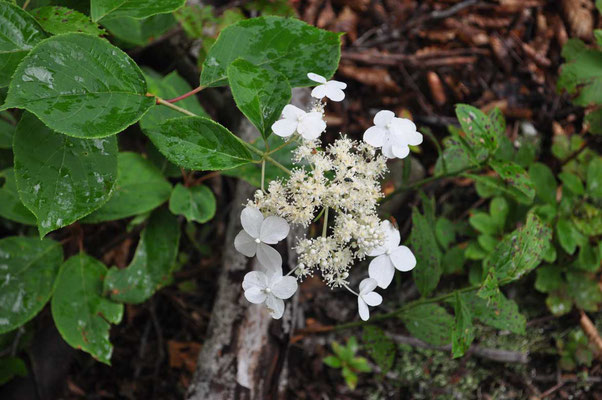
(100, 9)
(572, 182)
(80, 85)
(430, 323)
(463, 330)
(196, 203)
(139, 32)
(19, 33)
(544, 182)
(477, 126)
(549, 278)
(594, 178)
(11, 206)
(152, 264)
(286, 45)
(499, 312)
(80, 312)
(259, 93)
(199, 143)
(57, 20)
(582, 73)
(516, 178)
(28, 269)
(140, 188)
(380, 347)
(424, 245)
(61, 179)
(167, 87)
(520, 251)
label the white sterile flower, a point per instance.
(331, 89)
(392, 134)
(367, 297)
(270, 288)
(308, 124)
(258, 233)
(389, 257)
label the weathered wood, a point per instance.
(245, 351)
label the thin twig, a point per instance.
(185, 95)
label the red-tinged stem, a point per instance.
(185, 95)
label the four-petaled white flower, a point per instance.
(258, 233)
(392, 134)
(308, 124)
(269, 287)
(389, 257)
(331, 89)
(367, 297)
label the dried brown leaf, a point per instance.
(327, 16)
(347, 22)
(183, 354)
(578, 14)
(436, 88)
(378, 78)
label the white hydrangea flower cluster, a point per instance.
(340, 181)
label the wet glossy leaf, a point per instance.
(479, 130)
(168, 87)
(57, 20)
(260, 93)
(428, 256)
(100, 9)
(19, 33)
(80, 312)
(520, 251)
(430, 323)
(80, 85)
(380, 347)
(11, 206)
(139, 32)
(7, 131)
(28, 268)
(499, 312)
(60, 178)
(140, 188)
(198, 143)
(544, 182)
(152, 264)
(463, 330)
(594, 178)
(549, 278)
(196, 203)
(286, 45)
(515, 177)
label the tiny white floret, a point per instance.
(258, 233)
(308, 124)
(389, 257)
(367, 297)
(331, 89)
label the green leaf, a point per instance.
(167, 87)
(260, 93)
(140, 188)
(11, 367)
(487, 242)
(544, 181)
(516, 177)
(463, 331)
(568, 235)
(594, 117)
(500, 312)
(520, 251)
(588, 258)
(558, 303)
(430, 323)
(199, 143)
(380, 347)
(584, 290)
(453, 260)
(350, 377)
(153, 262)
(484, 223)
(7, 131)
(28, 268)
(286, 45)
(196, 203)
(11, 206)
(57, 20)
(582, 73)
(479, 130)
(499, 209)
(20, 33)
(428, 255)
(360, 364)
(549, 278)
(498, 124)
(60, 178)
(332, 362)
(445, 231)
(572, 183)
(100, 9)
(80, 85)
(594, 178)
(80, 312)
(588, 219)
(139, 32)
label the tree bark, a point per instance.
(245, 350)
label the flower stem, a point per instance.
(291, 140)
(325, 226)
(352, 291)
(174, 107)
(277, 164)
(262, 174)
(185, 95)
